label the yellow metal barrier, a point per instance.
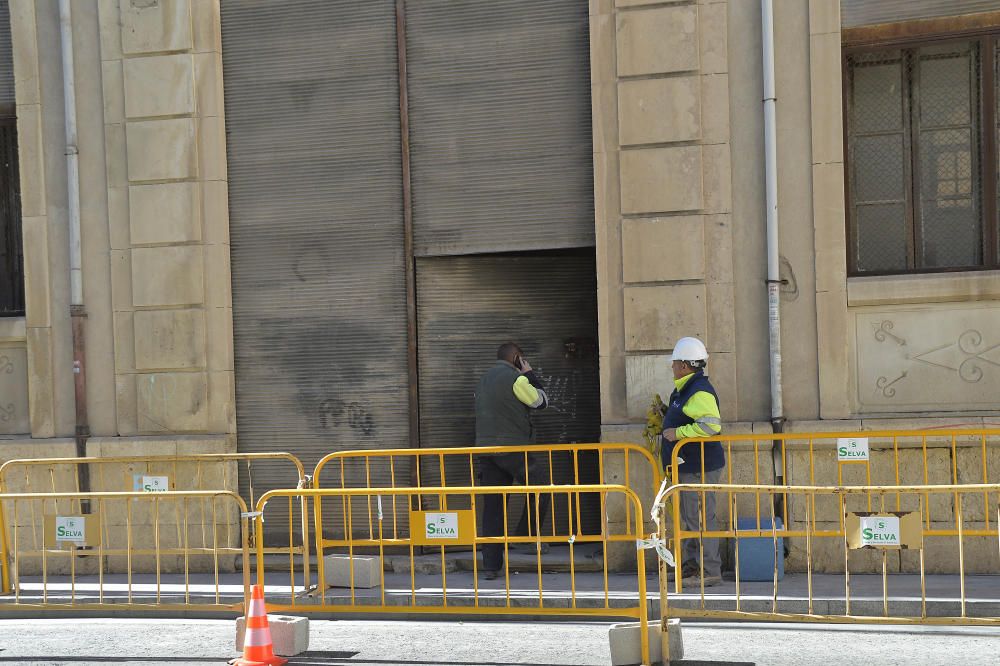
(60, 554)
(884, 457)
(871, 524)
(211, 471)
(452, 513)
(553, 464)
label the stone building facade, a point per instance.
(679, 246)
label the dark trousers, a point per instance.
(507, 469)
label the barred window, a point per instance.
(922, 157)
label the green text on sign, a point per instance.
(852, 448)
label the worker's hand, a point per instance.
(670, 434)
(525, 366)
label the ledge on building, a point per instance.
(923, 288)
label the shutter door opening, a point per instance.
(316, 224)
(545, 302)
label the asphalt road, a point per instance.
(370, 643)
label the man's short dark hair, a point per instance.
(507, 351)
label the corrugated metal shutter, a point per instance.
(6, 59)
(469, 306)
(854, 13)
(315, 194)
(500, 125)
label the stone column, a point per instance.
(168, 215)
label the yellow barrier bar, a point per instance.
(100, 545)
(376, 602)
(4, 556)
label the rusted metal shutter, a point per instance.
(315, 202)
(500, 125)
(855, 13)
(469, 306)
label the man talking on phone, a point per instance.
(505, 397)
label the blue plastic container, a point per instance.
(757, 553)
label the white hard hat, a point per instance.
(689, 349)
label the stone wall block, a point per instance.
(659, 110)
(661, 179)
(125, 404)
(37, 285)
(215, 215)
(222, 400)
(41, 387)
(124, 341)
(219, 330)
(168, 276)
(827, 110)
(169, 339)
(121, 280)
(208, 84)
(719, 247)
(715, 108)
(14, 416)
(24, 47)
(656, 317)
(657, 41)
(718, 178)
(218, 288)
(109, 19)
(663, 249)
(602, 48)
(824, 17)
(713, 41)
(162, 150)
(607, 187)
(645, 376)
(721, 297)
(165, 213)
(31, 160)
(113, 82)
(207, 22)
(159, 86)
(212, 148)
(832, 346)
(152, 27)
(172, 401)
(117, 160)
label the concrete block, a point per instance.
(659, 110)
(289, 634)
(717, 178)
(208, 84)
(827, 103)
(37, 286)
(114, 87)
(645, 376)
(14, 416)
(626, 646)
(172, 401)
(337, 571)
(114, 148)
(152, 27)
(657, 41)
(167, 276)
(657, 180)
(713, 42)
(656, 317)
(24, 44)
(169, 339)
(31, 160)
(41, 384)
(161, 149)
(159, 86)
(165, 213)
(649, 249)
(715, 108)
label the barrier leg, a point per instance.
(4, 562)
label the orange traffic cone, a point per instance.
(257, 648)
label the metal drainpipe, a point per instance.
(773, 274)
(78, 312)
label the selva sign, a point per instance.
(880, 531)
(441, 525)
(70, 529)
(852, 448)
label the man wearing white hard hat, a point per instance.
(693, 412)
